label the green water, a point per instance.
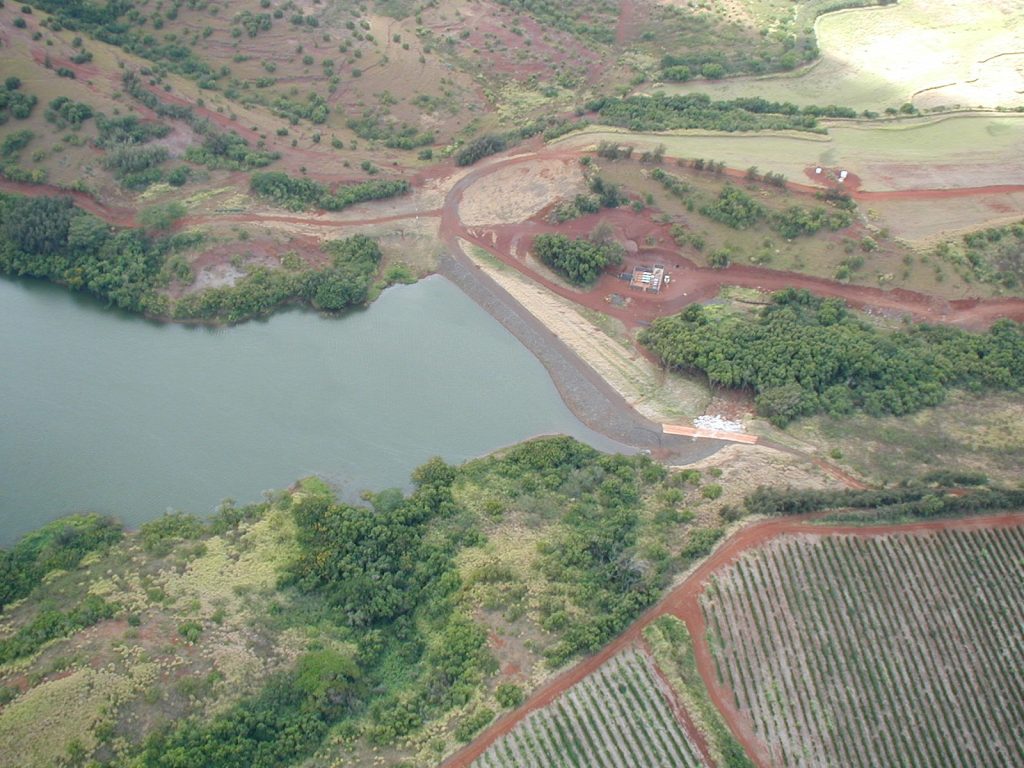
(101, 411)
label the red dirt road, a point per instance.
(695, 284)
(683, 603)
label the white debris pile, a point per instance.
(719, 423)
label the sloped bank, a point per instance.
(587, 395)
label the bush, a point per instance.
(159, 536)
(480, 148)
(711, 491)
(162, 217)
(509, 695)
(473, 724)
(59, 545)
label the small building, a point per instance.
(648, 279)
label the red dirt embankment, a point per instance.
(120, 217)
(683, 602)
(692, 284)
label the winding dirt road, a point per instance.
(683, 602)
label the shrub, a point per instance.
(509, 695)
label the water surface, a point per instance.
(106, 412)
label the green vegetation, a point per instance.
(673, 650)
(850, 614)
(994, 255)
(581, 261)
(14, 102)
(15, 142)
(112, 23)
(737, 209)
(803, 355)
(64, 112)
(622, 704)
(373, 127)
(344, 283)
(49, 237)
(734, 208)
(59, 545)
(663, 113)
(300, 194)
(480, 148)
(590, 19)
(218, 150)
(909, 502)
(50, 624)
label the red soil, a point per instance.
(695, 284)
(683, 603)
(121, 217)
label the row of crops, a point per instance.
(899, 650)
(618, 717)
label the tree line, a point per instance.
(299, 194)
(697, 110)
(803, 355)
(48, 237)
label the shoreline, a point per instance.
(589, 397)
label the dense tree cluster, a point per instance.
(734, 208)
(49, 237)
(314, 108)
(14, 142)
(113, 22)
(480, 148)
(581, 261)
(739, 210)
(803, 355)
(299, 194)
(697, 110)
(51, 623)
(64, 112)
(14, 102)
(795, 220)
(345, 282)
(992, 255)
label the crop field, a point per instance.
(932, 53)
(902, 649)
(618, 717)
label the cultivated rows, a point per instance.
(618, 717)
(899, 650)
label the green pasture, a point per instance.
(874, 58)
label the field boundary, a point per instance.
(683, 602)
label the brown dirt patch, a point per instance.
(514, 193)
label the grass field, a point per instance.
(931, 53)
(969, 432)
(618, 717)
(950, 152)
(984, 149)
(890, 650)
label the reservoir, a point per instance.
(105, 412)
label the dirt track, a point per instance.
(683, 603)
(695, 284)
